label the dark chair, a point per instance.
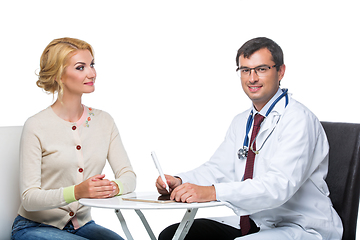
(343, 178)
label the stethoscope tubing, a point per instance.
(244, 150)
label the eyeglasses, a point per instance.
(261, 71)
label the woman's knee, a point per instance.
(44, 233)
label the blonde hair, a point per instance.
(54, 60)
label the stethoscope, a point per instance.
(243, 152)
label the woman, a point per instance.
(64, 149)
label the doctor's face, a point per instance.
(260, 84)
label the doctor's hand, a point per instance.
(173, 182)
(189, 193)
(96, 187)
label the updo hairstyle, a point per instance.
(54, 60)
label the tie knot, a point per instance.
(258, 119)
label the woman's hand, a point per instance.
(96, 187)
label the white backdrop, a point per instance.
(166, 71)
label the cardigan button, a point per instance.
(81, 170)
(71, 214)
(78, 147)
(73, 128)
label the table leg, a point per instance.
(123, 224)
(146, 224)
(185, 224)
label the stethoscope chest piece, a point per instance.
(243, 152)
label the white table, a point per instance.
(118, 203)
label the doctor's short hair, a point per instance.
(255, 44)
(54, 60)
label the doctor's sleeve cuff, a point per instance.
(220, 191)
(120, 186)
(69, 194)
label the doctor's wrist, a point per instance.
(179, 180)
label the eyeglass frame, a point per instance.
(254, 68)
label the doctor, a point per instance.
(273, 179)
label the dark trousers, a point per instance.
(207, 229)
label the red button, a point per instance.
(81, 170)
(74, 128)
(78, 147)
(71, 214)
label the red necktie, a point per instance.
(249, 169)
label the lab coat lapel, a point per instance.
(271, 120)
(266, 126)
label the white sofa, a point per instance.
(9, 184)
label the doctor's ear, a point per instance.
(281, 72)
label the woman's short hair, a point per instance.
(54, 60)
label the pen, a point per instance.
(157, 164)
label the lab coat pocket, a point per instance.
(265, 157)
(261, 166)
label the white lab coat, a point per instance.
(288, 186)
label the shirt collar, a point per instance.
(268, 104)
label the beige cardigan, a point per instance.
(55, 155)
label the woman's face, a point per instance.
(79, 76)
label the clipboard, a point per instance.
(152, 198)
